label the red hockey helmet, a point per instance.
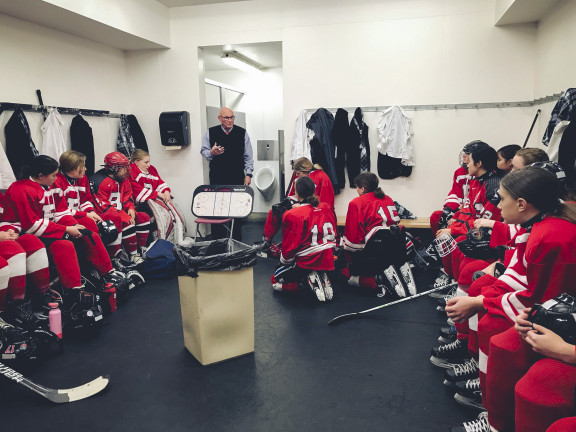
(116, 159)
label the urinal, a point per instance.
(265, 182)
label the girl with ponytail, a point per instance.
(302, 167)
(369, 215)
(309, 235)
(542, 267)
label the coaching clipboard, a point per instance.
(222, 201)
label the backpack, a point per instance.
(160, 262)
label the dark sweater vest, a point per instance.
(227, 168)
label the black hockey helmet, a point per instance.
(468, 149)
(557, 314)
(557, 170)
(477, 244)
(108, 232)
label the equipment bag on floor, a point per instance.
(160, 262)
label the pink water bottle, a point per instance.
(55, 319)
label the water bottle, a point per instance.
(111, 294)
(55, 319)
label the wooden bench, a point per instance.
(407, 223)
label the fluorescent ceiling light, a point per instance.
(238, 61)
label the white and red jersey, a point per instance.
(542, 267)
(460, 188)
(308, 236)
(146, 186)
(481, 204)
(113, 194)
(6, 225)
(324, 189)
(33, 209)
(366, 215)
(75, 193)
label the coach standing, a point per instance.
(229, 151)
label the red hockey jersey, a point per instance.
(504, 234)
(542, 267)
(480, 204)
(113, 194)
(460, 188)
(324, 189)
(33, 209)
(308, 236)
(146, 186)
(4, 225)
(366, 215)
(75, 193)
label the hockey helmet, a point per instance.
(557, 314)
(114, 162)
(445, 244)
(108, 232)
(477, 244)
(557, 170)
(116, 159)
(468, 149)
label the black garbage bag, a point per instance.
(216, 255)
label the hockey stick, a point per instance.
(347, 317)
(531, 127)
(57, 395)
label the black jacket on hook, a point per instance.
(567, 150)
(322, 145)
(358, 141)
(20, 148)
(137, 134)
(341, 139)
(81, 140)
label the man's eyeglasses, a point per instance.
(228, 118)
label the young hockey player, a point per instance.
(530, 378)
(23, 261)
(370, 247)
(31, 207)
(145, 180)
(505, 156)
(528, 156)
(153, 196)
(457, 197)
(113, 200)
(482, 201)
(541, 267)
(324, 191)
(308, 231)
(73, 187)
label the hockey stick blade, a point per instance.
(57, 395)
(353, 315)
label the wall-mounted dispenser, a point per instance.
(175, 129)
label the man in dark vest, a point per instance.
(229, 151)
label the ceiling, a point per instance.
(177, 3)
(267, 54)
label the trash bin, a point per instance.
(217, 299)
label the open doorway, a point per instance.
(257, 100)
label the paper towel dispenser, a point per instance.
(175, 128)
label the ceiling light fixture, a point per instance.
(238, 61)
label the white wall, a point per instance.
(370, 53)
(262, 102)
(70, 71)
(334, 54)
(147, 19)
(555, 60)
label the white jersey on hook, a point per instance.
(395, 135)
(53, 143)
